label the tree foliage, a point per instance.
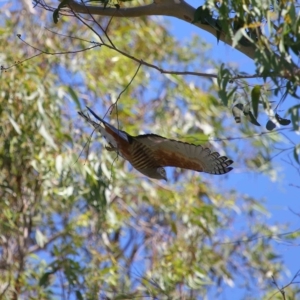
(88, 226)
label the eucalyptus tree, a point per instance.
(85, 224)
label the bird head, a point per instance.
(162, 173)
(156, 173)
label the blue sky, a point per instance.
(281, 197)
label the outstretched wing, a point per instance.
(184, 155)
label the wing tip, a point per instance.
(222, 166)
(228, 169)
(225, 169)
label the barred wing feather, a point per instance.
(173, 153)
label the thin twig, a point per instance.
(90, 27)
(2, 68)
(100, 26)
(251, 239)
(110, 19)
(87, 143)
(59, 53)
(279, 289)
(140, 61)
(115, 104)
(284, 287)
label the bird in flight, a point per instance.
(150, 153)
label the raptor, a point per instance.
(150, 153)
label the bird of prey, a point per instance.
(150, 153)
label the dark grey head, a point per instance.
(156, 173)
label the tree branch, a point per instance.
(178, 9)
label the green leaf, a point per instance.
(255, 95)
(249, 115)
(74, 97)
(55, 16)
(238, 36)
(224, 96)
(252, 119)
(56, 12)
(78, 295)
(40, 238)
(293, 235)
(297, 153)
(196, 138)
(237, 112)
(266, 103)
(270, 125)
(203, 15)
(282, 121)
(218, 30)
(44, 280)
(47, 137)
(15, 125)
(224, 77)
(295, 116)
(218, 34)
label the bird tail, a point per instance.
(97, 126)
(120, 133)
(93, 123)
(89, 120)
(97, 117)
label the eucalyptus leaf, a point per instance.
(237, 112)
(252, 119)
(203, 15)
(249, 115)
(40, 238)
(45, 279)
(74, 96)
(255, 96)
(15, 125)
(296, 153)
(270, 125)
(79, 295)
(55, 15)
(43, 131)
(282, 121)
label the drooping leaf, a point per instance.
(282, 121)
(249, 115)
(237, 23)
(44, 280)
(40, 238)
(242, 38)
(79, 295)
(55, 16)
(15, 125)
(237, 112)
(218, 30)
(297, 153)
(56, 11)
(255, 95)
(203, 15)
(74, 96)
(224, 77)
(252, 119)
(49, 139)
(270, 125)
